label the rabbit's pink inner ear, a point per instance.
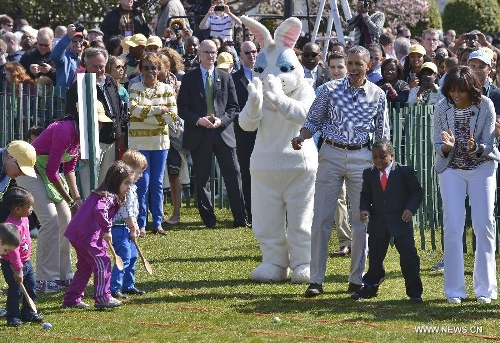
(257, 33)
(291, 36)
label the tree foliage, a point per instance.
(432, 19)
(467, 15)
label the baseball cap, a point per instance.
(480, 55)
(136, 40)
(95, 30)
(429, 65)
(78, 34)
(154, 40)
(177, 22)
(101, 114)
(224, 60)
(419, 49)
(25, 156)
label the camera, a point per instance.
(425, 80)
(440, 56)
(78, 27)
(219, 8)
(471, 37)
(366, 3)
(176, 27)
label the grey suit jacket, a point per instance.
(482, 127)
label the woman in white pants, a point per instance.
(464, 124)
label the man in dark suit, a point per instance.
(390, 196)
(245, 141)
(313, 67)
(207, 102)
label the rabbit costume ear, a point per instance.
(288, 32)
(260, 32)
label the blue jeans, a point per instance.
(125, 248)
(14, 292)
(150, 187)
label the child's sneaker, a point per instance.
(64, 283)
(81, 305)
(438, 267)
(112, 302)
(48, 287)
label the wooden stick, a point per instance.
(118, 260)
(143, 259)
(28, 298)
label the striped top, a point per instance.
(463, 158)
(220, 26)
(148, 126)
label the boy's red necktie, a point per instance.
(383, 180)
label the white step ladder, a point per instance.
(333, 18)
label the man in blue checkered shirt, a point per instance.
(346, 112)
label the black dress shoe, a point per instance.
(417, 299)
(118, 295)
(365, 293)
(35, 318)
(13, 322)
(313, 290)
(344, 251)
(241, 223)
(134, 291)
(354, 287)
(210, 225)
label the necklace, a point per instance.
(150, 92)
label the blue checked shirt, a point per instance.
(131, 207)
(348, 115)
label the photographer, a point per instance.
(171, 9)
(220, 20)
(366, 22)
(125, 20)
(175, 36)
(474, 39)
(66, 56)
(427, 90)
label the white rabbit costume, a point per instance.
(283, 179)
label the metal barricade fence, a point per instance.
(411, 134)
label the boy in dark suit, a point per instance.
(390, 196)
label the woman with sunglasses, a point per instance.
(152, 106)
(116, 68)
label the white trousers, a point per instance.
(480, 184)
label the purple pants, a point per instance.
(90, 259)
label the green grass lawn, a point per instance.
(201, 291)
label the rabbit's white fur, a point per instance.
(282, 178)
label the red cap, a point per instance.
(78, 34)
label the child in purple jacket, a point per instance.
(89, 232)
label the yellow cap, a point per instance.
(136, 40)
(154, 40)
(25, 156)
(224, 60)
(419, 49)
(431, 66)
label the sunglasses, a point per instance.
(77, 41)
(9, 25)
(44, 45)
(119, 67)
(250, 52)
(308, 55)
(150, 68)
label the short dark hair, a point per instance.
(15, 196)
(462, 78)
(336, 55)
(384, 144)
(35, 130)
(9, 235)
(399, 67)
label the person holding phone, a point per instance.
(366, 22)
(427, 90)
(220, 20)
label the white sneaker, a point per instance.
(48, 287)
(483, 300)
(454, 300)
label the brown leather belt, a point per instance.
(345, 147)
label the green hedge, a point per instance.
(466, 15)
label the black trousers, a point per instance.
(408, 261)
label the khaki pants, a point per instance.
(53, 251)
(107, 157)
